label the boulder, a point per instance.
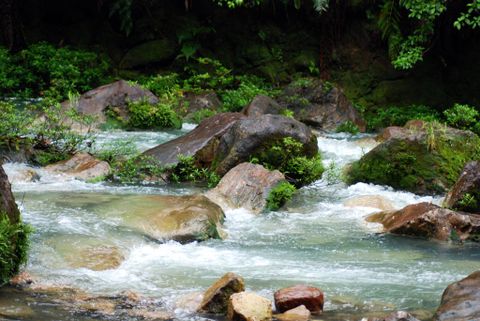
(423, 159)
(114, 96)
(246, 185)
(8, 206)
(262, 105)
(288, 298)
(190, 303)
(465, 193)
(215, 299)
(300, 313)
(202, 142)
(194, 102)
(180, 218)
(320, 104)
(245, 306)
(395, 316)
(81, 166)
(461, 300)
(375, 201)
(429, 221)
(150, 52)
(249, 136)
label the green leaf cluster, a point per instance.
(279, 195)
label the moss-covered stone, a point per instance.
(423, 160)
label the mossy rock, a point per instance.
(422, 160)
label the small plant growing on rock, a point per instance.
(279, 195)
(188, 171)
(348, 127)
(463, 117)
(143, 115)
(468, 203)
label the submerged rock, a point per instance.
(320, 104)
(114, 96)
(300, 313)
(246, 306)
(289, 298)
(429, 221)
(395, 316)
(375, 201)
(249, 136)
(81, 166)
(215, 299)
(461, 300)
(465, 194)
(262, 105)
(423, 158)
(246, 185)
(202, 142)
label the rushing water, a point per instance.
(315, 239)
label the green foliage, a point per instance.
(287, 113)
(116, 151)
(463, 117)
(137, 169)
(398, 116)
(189, 36)
(207, 74)
(43, 70)
(287, 156)
(279, 195)
(14, 244)
(333, 174)
(187, 170)
(471, 17)
(468, 203)
(348, 127)
(164, 86)
(202, 114)
(248, 88)
(143, 115)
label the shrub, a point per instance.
(463, 117)
(137, 169)
(288, 157)
(279, 195)
(143, 115)
(248, 88)
(398, 116)
(188, 171)
(14, 244)
(202, 114)
(348, 127)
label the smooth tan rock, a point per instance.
(461, 300)
(215, 299)
(246, 185)
(190, 302)
(429, 221)
(289, 298)
(97, 258)
(375, 201)
(81, 166)
(246, 306)
(300, 313)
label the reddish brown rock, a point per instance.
(429, 221)
(215, 299)
(202, 142)
(289, 298)
(465, 193)
(246, 185)
(461, 300)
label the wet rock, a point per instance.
(465, 193)
(113, 96)
(245, 306)
(320, 104)
(246, 185)
(150, 52)
(190, 303)
(248, 136)
(24, 175)
(375, 201)
(8, 206)
(98, 258)
(193, 102)
(20, 280)
(262, 105)
(424, 158)
(81, 166)
(289, 298)
(300, 313)
(180, 218)
(461, 300)
(215, 299)
(202, 142)
(395, 316)
(429, 221)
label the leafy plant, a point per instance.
(143, 115)
(463, 117)
(279, 195)
(188, 171)
(137, 169)
(14, 244)
(249, 87)
(348, 127)
(398, 116)
(468, 202)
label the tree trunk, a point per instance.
(10, 26)
(7, 201)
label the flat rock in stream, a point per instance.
(429, 221)
(81, 166)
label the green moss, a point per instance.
(14, 244)
(428, 165)
(279, 195)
